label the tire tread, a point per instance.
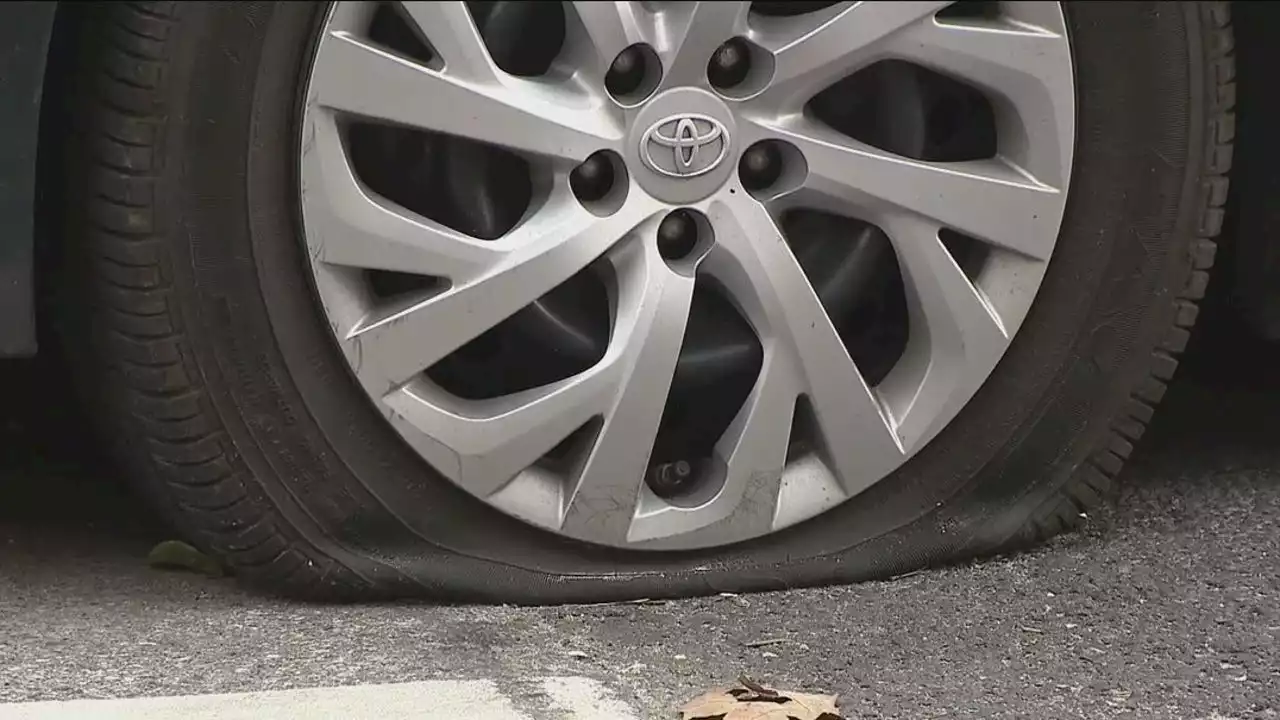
(139, 335)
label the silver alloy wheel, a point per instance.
(960, 328)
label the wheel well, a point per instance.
(57, 126)
(1253, 255)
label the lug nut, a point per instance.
(593, 179)
(626, 74)
(670, 479)
(677, 234)
(761, 166)
(729, 64)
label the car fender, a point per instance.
(25, 32)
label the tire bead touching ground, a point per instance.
(215, 432)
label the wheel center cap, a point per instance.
(682, 145)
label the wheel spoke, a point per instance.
(701, 27)
(1022, 69)
(955, 336)
(755, 444)
(986, 199)
(753, 259)
(455, 40)
(548, 249)
(525, 116)
(653, 311)
(812, 51)
(486, 444)
(350, 227)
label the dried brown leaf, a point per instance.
(758, 703)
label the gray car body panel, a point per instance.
(25, 31)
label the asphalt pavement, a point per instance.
(1167, 605)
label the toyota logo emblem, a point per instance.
(684, 146)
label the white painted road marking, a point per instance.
(572, 698)
(585, 699)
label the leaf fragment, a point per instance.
(177, 555)
(753, 701)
